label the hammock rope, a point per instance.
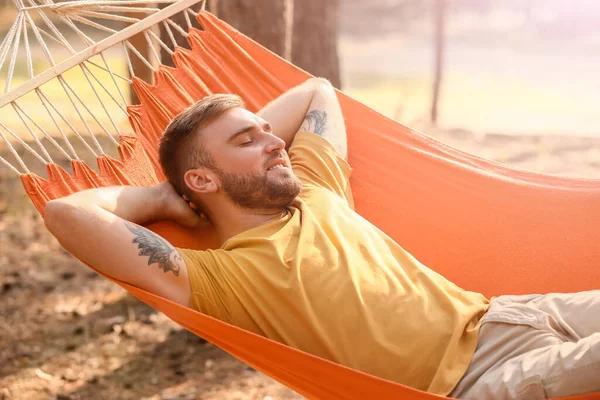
(15, 154)
(24, 117)
(104, 83)
(20, 141)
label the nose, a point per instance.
(275, 144)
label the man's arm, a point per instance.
(324, 117)
(311, 106)
(102, 228)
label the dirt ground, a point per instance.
(69, 334)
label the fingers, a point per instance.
(187, 200)
(194, 207)
(200, 219)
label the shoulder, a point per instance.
(317, 163)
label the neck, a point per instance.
(231, 220)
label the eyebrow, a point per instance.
(241, 131)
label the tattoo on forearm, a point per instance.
(315, 121)
(160, 251)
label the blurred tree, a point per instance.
(308, 37)
(263, 21)
(439, 19)
(314, 43)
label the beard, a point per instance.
(261, 191)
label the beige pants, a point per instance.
(536, 347)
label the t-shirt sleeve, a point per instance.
(210, 291)
(316, 162)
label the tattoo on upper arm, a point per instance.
(315, 121)
(160, 251)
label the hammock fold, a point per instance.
(484, 226)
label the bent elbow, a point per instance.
(321, 81)
(320, 84)
(55, 213)
(323, 84)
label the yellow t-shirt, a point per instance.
(326, 281)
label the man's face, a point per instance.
(251, 163)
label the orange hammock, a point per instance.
(484, 226)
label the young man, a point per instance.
(298, 265)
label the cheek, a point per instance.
(243, 161)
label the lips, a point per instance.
(279, 164)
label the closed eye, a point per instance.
(248, 143)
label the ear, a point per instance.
(201, 180)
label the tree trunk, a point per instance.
(263, 21)
(439, 13)
(309, 27)
(314, 44)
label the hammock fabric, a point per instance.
(484, 226)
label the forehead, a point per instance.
(230, 122)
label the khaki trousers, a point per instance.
(536, 347)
